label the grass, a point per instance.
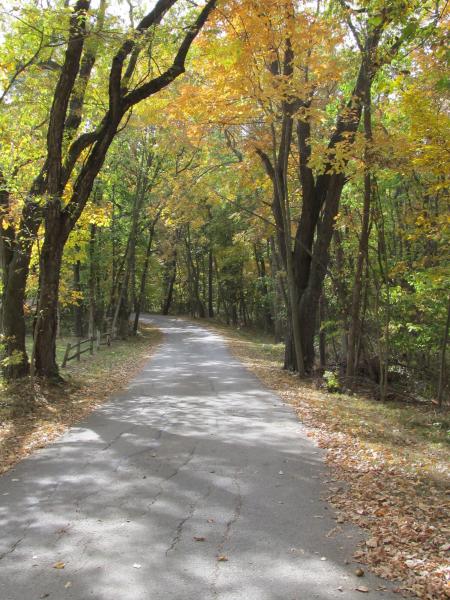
(32, 414)
(393, 458)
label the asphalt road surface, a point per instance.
(194, 483)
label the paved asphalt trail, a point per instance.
(194, 447)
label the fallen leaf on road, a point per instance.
(59, 565)
(222, 558)
(68, 584)
(362, 588)
(359, 572)
(199, 538)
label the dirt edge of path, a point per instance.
(405, 517)
(32, 415)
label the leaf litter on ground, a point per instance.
(395, 479)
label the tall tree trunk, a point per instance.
(143, 284)
(46, 324)
(170, 282)
(355, 322)
(61, 219)
(442, 368)
(15, 255)
(13, 317)
(322, 337)
(78, 324)
(92, 319)
(210, 283)
(279, 293)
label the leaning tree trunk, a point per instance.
(61, 220)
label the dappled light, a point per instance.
(193, 448)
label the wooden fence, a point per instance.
(87, 345)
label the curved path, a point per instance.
(193, 461)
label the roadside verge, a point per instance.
(34, 414)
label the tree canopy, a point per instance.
(281, 165)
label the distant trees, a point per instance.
(296, 180)
(73, 160)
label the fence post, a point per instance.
(66, 355)
(98, 339)
(108, 339)
(91, 346)
(78, 350)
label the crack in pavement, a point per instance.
(179, 529)
(226, 535)
(161, 482)
(117, 438)
(17, 542)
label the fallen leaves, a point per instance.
(59, 565)
(33, 415)
(222, 558)
(395, 479)
(362, 588)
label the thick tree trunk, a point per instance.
(15, 255)
(60, 221)
(13, 317)
(309, 302)
(46, 324)
(355, 322)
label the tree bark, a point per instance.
(441, 384)
(143, 284)
(170, 282)
(46, 324)
(210, 283)
(78, 324)
(60, 219)
(355, 323)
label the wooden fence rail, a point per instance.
(101, 339)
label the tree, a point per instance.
(82, 158)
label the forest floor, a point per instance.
(391, 461)
(32, 415)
